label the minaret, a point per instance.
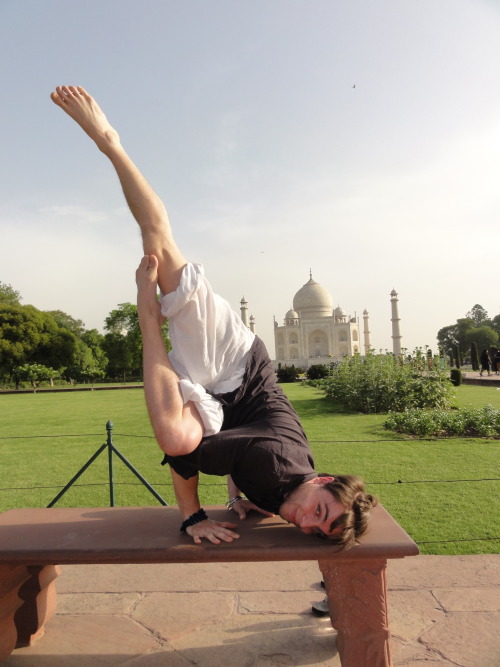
(244, 311)
(366, 332)
(252, 323)
(396, 335)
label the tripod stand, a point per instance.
(111, 450)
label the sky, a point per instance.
(356, 139)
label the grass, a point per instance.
(441, 491)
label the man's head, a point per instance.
(335, 508)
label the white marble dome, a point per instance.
(291, 315)
(313, 300)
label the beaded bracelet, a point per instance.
(192, 520)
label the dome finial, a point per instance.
(310, 274)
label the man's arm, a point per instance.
(186, 493)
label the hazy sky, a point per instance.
(356, 138)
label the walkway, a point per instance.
(445, 610)
(473, 377)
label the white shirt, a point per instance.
(210, 344)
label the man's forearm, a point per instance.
(186, 494)
(232, 489)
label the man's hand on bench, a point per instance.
(215, 531)
(243, 506)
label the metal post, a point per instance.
(111, 450)
(109, 443)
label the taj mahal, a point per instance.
(314, 332)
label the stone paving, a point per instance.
(445, 610)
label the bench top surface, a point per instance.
(151, 535)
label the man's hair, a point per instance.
(350, 491)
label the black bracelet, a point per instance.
(195, 518)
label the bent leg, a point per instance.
(144, 203)
(177, 425)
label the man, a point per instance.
(213, 401)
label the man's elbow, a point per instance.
(179, 441)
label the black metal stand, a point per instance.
(111, 450)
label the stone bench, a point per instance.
(34, 542)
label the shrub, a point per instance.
(456, 377)
(474, 357)
(467, 422)
(317, 371)
(287, 373)
(383, 383)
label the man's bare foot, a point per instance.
(148, 306)
(82, 107)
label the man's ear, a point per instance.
(322, 480)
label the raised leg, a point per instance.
(145, 205)
(178, 426)
(357, 599)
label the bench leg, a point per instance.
(357, 599)
(39, 597)
(12, 577)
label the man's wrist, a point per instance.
(232, 501)
(196, 517)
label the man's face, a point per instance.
(312, 508)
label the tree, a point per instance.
(68, 322)
(123, 341)
(123, 319)
(118, 354)
(448, 337)
(478, 314)
(34, 374)
(57, 348)
(484, 336)
(8, 295)
(495, 324)
(474, 357)
(28, 335)
(20, 334)
(475, 326)
(84, 366)
(95, 341)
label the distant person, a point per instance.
(213, 401)
(485, 362)
(496, 362)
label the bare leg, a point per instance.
(178, 427)
(144, 203)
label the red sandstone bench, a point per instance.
(34, 541)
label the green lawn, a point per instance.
(442, 492)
